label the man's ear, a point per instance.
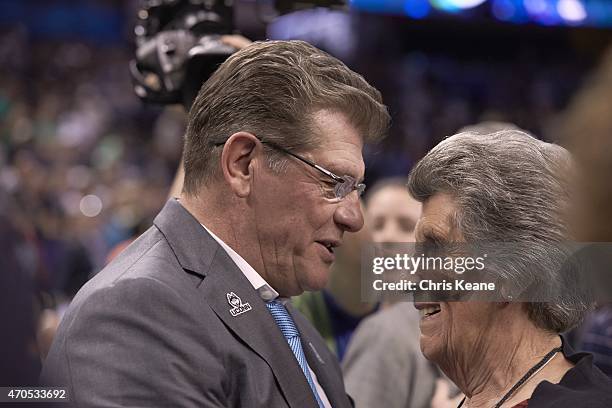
(236, 162)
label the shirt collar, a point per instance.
(266, 292)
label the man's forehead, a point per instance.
(331, 126)
(339, 146)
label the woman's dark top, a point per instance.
(583, 386)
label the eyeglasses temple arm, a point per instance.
(302, 159)
(308, 162)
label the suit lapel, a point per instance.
(318, 356)
(255, 327)
(197, 251)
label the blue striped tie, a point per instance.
(287, 327)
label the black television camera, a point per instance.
(179, 46)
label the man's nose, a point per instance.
(348, 214)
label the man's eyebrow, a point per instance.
(342, 173)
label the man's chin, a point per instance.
(316, 280)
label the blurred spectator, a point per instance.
(18, 353)
(391, 211)
(597, 338)
(384, 365)
(586, 127)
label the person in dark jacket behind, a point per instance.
(18, 355)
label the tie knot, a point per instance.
(283, 319)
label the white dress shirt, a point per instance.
(267, 294)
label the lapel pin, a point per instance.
(237, 307)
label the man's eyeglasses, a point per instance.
(343, 185)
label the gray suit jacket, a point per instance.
(154, 329)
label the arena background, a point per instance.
(85, 165)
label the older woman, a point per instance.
(503, 187)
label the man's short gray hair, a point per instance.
(273, 89)
(509, 187)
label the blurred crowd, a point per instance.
(437, 79)
(84, 166)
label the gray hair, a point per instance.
(509, 187)
(484, 128)
(273, 89)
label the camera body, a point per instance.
(178, 47)
(179, 44)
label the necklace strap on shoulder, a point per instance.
(540, 364)
(528, 375)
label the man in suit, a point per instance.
(195, 312)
